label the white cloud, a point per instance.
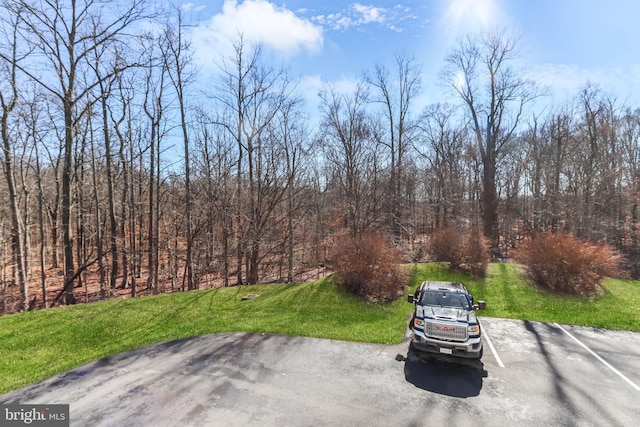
(311, 85)
(278, 29)
(370, 14)
(564, 81)
(357, 15)
(190, 7)
(346, 85)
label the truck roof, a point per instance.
(443, 286)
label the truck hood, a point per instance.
(447, 313)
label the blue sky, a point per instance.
(564, 43)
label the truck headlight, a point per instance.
(418, 323)
(474, 329)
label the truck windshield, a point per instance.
(444, 299)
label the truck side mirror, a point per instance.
(410, 299)
(481, 305)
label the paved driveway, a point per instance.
(537, 374)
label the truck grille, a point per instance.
(446, 331)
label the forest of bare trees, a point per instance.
(120, 173)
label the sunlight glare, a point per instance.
(472, 14)
(459, 81)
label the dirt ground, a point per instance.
(89, 289)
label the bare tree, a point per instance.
(234, 97)
(252, 94)
(154, 106)
(64, 34)
(347, 145)
(107, 64)
(396, 92)
(481, 72)
(79, 181)
(176, 56)
(290, 134)
(630, 139)
(597, 163)
(96, 174)
(214, 162)
(8, 101)
(547, 148)
(122, 119)
(31, 116)
(443, 146)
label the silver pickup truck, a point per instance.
(444, 320)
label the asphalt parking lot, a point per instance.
(531, 374)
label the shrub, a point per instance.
(566, 264)
(367, 266)
(465, 251)
(446, 245)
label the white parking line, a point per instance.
(631, 383)
(493, 349)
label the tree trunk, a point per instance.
(490, 204)
(19, 257)
(17, 233)
(113, 223)
(67, 237)
(98, 224)
(42, 246)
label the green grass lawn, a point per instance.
(509, 295)
(36, 345)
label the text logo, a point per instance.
(34, 415)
